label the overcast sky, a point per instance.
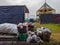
(33, 5)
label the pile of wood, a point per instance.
(8, 36)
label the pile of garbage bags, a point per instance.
(26, 32)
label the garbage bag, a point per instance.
(8, 28)
(22, 37)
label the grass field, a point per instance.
(55, 29)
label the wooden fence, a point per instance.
(11, 39)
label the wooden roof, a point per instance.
(46, 6)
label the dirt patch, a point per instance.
(55, 37)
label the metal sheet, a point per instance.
(11, 14)
(50, 18)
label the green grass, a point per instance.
(55, 28)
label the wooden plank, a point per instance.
(8, 38)
(16, 43)
(3, 33)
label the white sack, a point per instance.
(8, 28)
